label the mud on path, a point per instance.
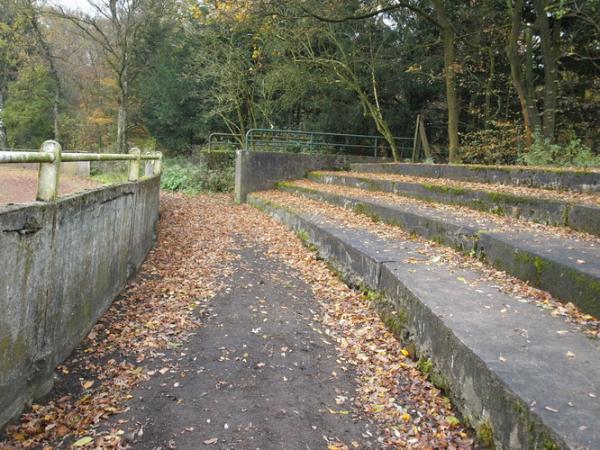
(235, 336)
(19, 185)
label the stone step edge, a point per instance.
(547, 211)
(488, 420)
(552, 178)
(575, 286)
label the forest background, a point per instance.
(495, 81)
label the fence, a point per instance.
(50, 158)
(296, 141)
(228, 140)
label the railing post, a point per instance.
(134, 164)
(375, 146)
(158, 164)
(49, 173)
(148, 166)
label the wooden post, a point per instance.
(134, 164)
(416, 142)
(424, 140)
(49, 173)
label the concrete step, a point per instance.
(567, 268)
(522, 378)
(555, 212)
(546, 178)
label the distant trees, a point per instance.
(488, 76)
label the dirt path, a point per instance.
(236, 336)
(19, 185)
(257, 375)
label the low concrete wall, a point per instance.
(61, 266)
(257, 171)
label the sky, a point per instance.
(74, 4)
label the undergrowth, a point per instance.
(181, 175)
(545, 153)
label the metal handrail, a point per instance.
(213, 135)
(279, 139)
(50, 158)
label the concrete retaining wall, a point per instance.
(257, 171)
(61, 266)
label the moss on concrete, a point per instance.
(364, 209)
(444, 189)
(12, 353)
(485, 434)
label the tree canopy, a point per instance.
(489, 78)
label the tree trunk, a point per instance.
(550, 67)
(489, 88)
(528, 109)
(3, 135)
(55, 112)
(448, 37)
(122, 118)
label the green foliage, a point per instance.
(181, 175)
(28, 110)
(109, 177)
(545, 153)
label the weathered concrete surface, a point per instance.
(61, 265)
(257, 373)
(504, 363)
(541, 210)
(561, 179)
(256, 171)
(534, 257)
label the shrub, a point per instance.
(500, 144)
(184, 176)
(545, 153)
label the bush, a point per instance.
(544, 153)
(500, 144)
(182, 175)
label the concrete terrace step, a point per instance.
(554, 212)
(567, 268)
(546, 178)
(521, 378)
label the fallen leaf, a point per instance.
(83, 441)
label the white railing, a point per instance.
(50, 158)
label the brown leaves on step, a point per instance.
(432, 253)
(591, 199)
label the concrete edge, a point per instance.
(451, 360)
(257, 171)
(545, 178)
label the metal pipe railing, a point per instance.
(265, 137)
(212, 136)
(51, 156)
